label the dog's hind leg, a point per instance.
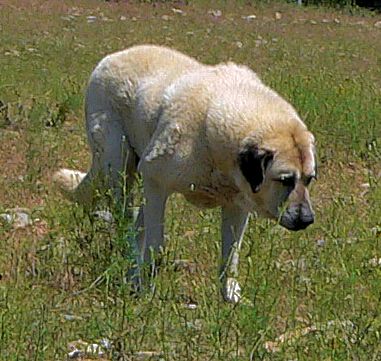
(234, 221)
(113, 159)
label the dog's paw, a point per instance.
(232, 290)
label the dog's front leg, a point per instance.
(233, 225)
(150, 224)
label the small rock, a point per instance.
(178, 11)
(106, 343)
(377, 24)
(104, 216)
(238, 44)
(70, 317)
(91, 19)
(79, 349)
(313, 22)
(122, 18)
(190, 306)
(260, 42)
(18, 217)
(94, 350)
(278, 15)
(325, 21)
(165, 17)
(215, 13)
(249, 17)
(376, 231)
(375, 262)
(320, 242)
(12, 52)
(134, 18)
(336, 20)
(76, 349)
(6, 217)
(75, 354)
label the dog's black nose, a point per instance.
(303, 223)
(306, 215)
(297, 217)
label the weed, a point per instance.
(308, 296)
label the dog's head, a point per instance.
(277, 170)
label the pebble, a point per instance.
(190, 306)
(320, 242)
(104, 216)
(215, 13)
(18, 217)
(178, 11)
(249, 17)
(375, 262)
(79, 348)
(260, 42)
(95, 350)
(69, 317)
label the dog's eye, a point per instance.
(287, 181)
(308, 180)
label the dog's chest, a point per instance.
(212, 190)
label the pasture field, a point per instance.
(312, 295)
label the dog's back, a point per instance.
(132, 82)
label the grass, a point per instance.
(62, 277)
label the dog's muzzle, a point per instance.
(297, 217)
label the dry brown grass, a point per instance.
(327, 63)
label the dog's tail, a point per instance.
(67, 181)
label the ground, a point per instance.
(312, 295)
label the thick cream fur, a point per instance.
(183, 125)
(187, 122)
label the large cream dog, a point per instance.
(216, 134)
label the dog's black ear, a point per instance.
(253, 162)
